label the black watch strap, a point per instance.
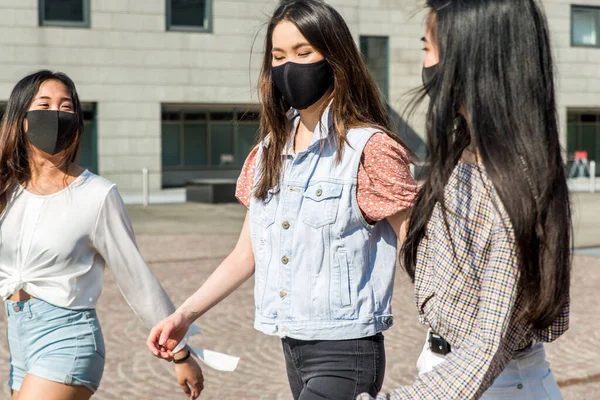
(184, 359)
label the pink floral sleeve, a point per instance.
(385, 184)
(243, 188)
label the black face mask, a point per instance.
(50, 131)
(302, 85)
(428, 75)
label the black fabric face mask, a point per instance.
(50, 131)
(302, 85)
(428, 75)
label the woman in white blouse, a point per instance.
(59, 226)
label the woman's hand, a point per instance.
(167, 334)
(189, 376)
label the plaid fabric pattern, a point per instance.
(466, 290)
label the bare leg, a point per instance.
(34, 388)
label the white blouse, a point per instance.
(55, 248)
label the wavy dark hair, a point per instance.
(357, 101)
(496, 67)
(14, 147)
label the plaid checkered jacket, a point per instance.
(466, 290)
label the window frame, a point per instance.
(86, 23)
(574, 119)
(208, 20)
(596, 10)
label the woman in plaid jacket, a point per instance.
(488, 245)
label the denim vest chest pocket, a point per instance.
(320, 204)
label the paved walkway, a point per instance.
(183, 244)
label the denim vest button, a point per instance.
(319, 192)
(389, 321)
(17, 308)
(282, 294)
(285, 225)
(520, 386)
(285, 260)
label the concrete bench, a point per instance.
(210, 191)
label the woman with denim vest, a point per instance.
(488, 245)
(327, 191)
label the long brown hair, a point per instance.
(15, 165)
(357, 101)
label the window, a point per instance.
(583, 134)
(189, 15)
(75, 13)
(211, 139)
(585, 26)
(375, 50)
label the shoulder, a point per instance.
(97, 186)
(245, 182)
(251, 159)
(100, 193)
(385, 146)
(489, 200)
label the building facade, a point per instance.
(170, 85)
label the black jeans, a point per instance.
(334, 369)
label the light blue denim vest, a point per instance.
(322, 271)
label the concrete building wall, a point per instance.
(129, 65)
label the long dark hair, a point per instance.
(356, 98)
(14, 148)
(495, 63)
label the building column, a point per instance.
(128, 141)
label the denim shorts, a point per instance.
(53, 343)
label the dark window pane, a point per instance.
(585, 27)
(170, 116)
(375, 52)
(221, 116)
(588, 117)
(87, 147)
(571, 139)
(572, 117)
(588, 140)
(221, 145)
(64, 10)
(170, 145)
(194, 145)
(248, 116)
(247, 135)
(195, 116)
(188, 13)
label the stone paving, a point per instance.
(184, 244)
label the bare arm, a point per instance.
(229, 275)
(399, 223)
